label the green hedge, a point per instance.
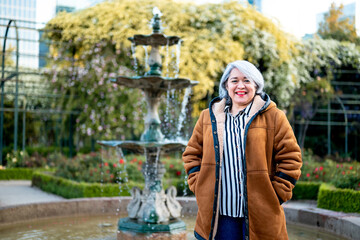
(344, 200)
(306, 190)
(71, 189)
(16, 173)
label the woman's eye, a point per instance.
(246, 80)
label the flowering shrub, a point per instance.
(90, 168)
(341, 174)
(21, 159)
(105, 167)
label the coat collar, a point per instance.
(261, 102)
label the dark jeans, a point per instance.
(230, 228)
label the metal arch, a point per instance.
(346, 124)
(2, 88)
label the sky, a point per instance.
(297, 17)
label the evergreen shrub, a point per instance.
(306, 190)
(344, 200)
(16, 174)
(72, 189)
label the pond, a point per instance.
(104, 227)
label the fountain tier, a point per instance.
(154, 83)
(140, 147)
(155, 39)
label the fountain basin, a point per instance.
(301, 213)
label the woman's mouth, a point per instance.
(240, 93)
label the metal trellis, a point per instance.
(3, 80)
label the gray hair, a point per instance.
(248, 69)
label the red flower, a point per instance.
(337, 165)
(108, 171)
(140, 162)
(351, 168)
(316, 169)
(171, 166)
(343, 173)
(114, 165)
(178, 173)
(121, 161)
(134, 160)
(112, 176)
(308, 175)
(321, 168)
(317, 176)
(106, 164)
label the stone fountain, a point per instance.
(153, 212)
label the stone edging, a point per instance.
(342, 224)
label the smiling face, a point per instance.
(241, 90)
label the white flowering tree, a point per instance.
(90, 47)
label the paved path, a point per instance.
(15, 192)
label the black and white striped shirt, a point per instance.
(232, 175)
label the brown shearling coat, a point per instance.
(272, 166)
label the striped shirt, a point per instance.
(232, 175)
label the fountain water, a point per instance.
(152, 210)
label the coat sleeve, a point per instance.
(192, 155)
(287, 156)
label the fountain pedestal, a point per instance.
(153, 212)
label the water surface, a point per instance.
(105, 228)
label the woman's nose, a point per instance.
(240, 84)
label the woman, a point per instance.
(242, 161)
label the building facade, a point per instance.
(24, 13)
(30, 17)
